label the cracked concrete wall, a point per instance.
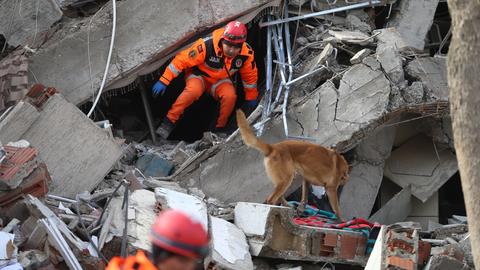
(145, 30)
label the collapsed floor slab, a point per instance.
(66, 54)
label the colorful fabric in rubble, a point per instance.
(315, 217)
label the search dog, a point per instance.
(317, 164)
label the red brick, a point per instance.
(348, 246)
(35, 184)
(18, 160)
(397, 243)
(424, 249)
(401, 263)
(331, 239)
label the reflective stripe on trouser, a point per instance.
(225, 93)
(194, 88)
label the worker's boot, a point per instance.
(165, 128)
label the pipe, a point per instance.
(148, 111)
(323, 12)
(112, 40)
(268, 88)
(304, 75)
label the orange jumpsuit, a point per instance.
(137, 262)
(206, 70)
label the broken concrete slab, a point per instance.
(356, 102)
(360, 55)
(320, 59)
(23, 22)
(413, 21)
(170, 199)
(272, 233)
(396, 210)
(15, 123)
(390, 37)
(448, 230)
(391, 62)
(423, 165)
(443, 262)
(66, 51)
(432, 72)
(414, 93)
(78, 153)
(230, 248)
(357, 20)
(142, 202)
(366, 175)
(352, 37)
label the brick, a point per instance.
(348, 246)
(397, 243)
(401, 263)
(331, 239)
(424, 249)
(18, 164)
(35, 184)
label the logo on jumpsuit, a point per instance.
(238, 63)
(214, 59)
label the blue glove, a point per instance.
(251, 103)
(158, 89)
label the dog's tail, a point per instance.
(249, 137)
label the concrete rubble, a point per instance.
(74, 191)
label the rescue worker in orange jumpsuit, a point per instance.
(210, 64)
(178, 243)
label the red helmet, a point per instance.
(235, 32)
(176, 232)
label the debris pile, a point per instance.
(76, 192)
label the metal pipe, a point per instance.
(304, 75)
(268, 88)
(323, 12)
(58, 198)
(148, 111)
(124, 250)
(279, 55)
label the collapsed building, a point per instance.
(367, 78)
